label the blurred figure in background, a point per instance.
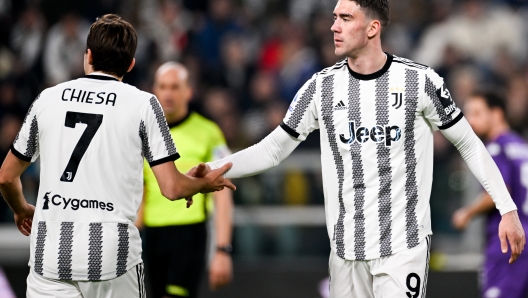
(486, 112)
(176, 237)
(168, 23)
(479, 31)
(65, 44)
(220, 23)
(27, 38)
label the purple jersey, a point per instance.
(510, 153)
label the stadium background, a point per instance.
(247, 58)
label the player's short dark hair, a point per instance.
(376, 9)
(493, 100)
(113, 42)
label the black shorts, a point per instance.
(175, 259)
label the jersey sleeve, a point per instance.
(26, 144)
(157, 144)
(218, 149)
(503, 163)
(439, 108)
(301, 118)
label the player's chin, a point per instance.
(339, 50)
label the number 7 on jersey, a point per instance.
(93, 122)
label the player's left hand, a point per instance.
(221, 271)
(24, 219)
(510, 229)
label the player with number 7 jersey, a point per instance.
(91, 177)
(91, 135)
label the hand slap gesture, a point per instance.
(215, 180)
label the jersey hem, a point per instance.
(19, 155)
(350, 257)
(84, 277)
(453, 122)
(289, 130)
(172, 158)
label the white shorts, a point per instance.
(403, 274)
(130, 284)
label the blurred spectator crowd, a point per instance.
(248, 58)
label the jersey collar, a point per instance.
(100, 76)
(375, 75)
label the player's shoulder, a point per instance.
(409, 64)
(422, 72)
(135, 92)
(52, 92)
(339, 66)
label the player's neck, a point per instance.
(90, 71)
(368, 61)
(498, 130)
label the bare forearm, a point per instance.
(10, 184)
(175, 185)
(12, 193)
(189, 186)
(224, 217)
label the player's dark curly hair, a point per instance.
(376, 9)
(113, 42)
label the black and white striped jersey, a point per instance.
(91, 135)
(376, 151)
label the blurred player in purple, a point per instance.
(486, 114)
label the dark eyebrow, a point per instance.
(343, 15)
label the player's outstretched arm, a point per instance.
(175, 185)
(258, 158)
(11, 188)
(486, 171)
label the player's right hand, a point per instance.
(215, 180)
(24, 219)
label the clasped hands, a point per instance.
(216, 179)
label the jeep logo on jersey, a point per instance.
(377, 134)
(74, 204)
(445, 99)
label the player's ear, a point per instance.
(132, 64)
(374, 28)
(89, 57)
